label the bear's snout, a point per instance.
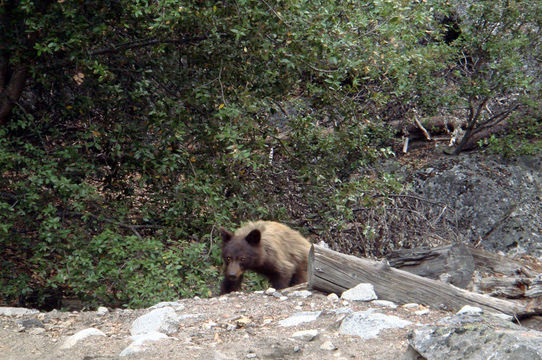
(233, 271)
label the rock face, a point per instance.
(476, 338)
(498, 202)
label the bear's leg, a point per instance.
(279, 282)
(299, 277)
(230, 285)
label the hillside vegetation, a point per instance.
(131, 130)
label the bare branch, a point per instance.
(274, 12)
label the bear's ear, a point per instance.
(254, 237)
(225, 234)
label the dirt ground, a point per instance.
(235, 326)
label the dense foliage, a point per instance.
(131, 130)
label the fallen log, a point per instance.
(330, 271)
(453, 264)
(494, 263)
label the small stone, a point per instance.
(210, 324)
(139, 341)
(297, 348)
(81, 335)
(31, 323)
(299, 318)
(243, 321)
(283, 298)
(190, 316)
(305, 335)
(422, 312)
(328, 346)
(385, 303)
(270, 291)
(470, 310)
(102, 311)
(302, 294)
(410, 306)
(361, 292)
(177, 305)
(333, 297)
(231, 327)
(36, 331)
(251, 356)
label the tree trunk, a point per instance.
(330, 271)
(11, 87)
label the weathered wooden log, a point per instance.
(494, 263)
(330, 271)
(453, 264)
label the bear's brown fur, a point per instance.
(266, 247)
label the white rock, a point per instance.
(305, 335)
(302, 293)
(102, 310)
(328, 346)
(333, 297)
(162, 320)
(14, 311)
(177, 305)
(422, 312)
(139, 341)
(270, 291)
(410, 306)
(368, 324)
(190, 316)
(131, 350)
(299, 318)
(148, 337)
(283, 298)
(470, 310)
(385, 303)
(360, 292)
(209, 325)
(80, 335)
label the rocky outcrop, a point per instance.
(475, 337)
(498, 203)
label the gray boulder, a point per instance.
(368, 324)
(475, 338)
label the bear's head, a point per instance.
(240, 252)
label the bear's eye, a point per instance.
(228, 259)
(243, 259)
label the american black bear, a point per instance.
(266, 247)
